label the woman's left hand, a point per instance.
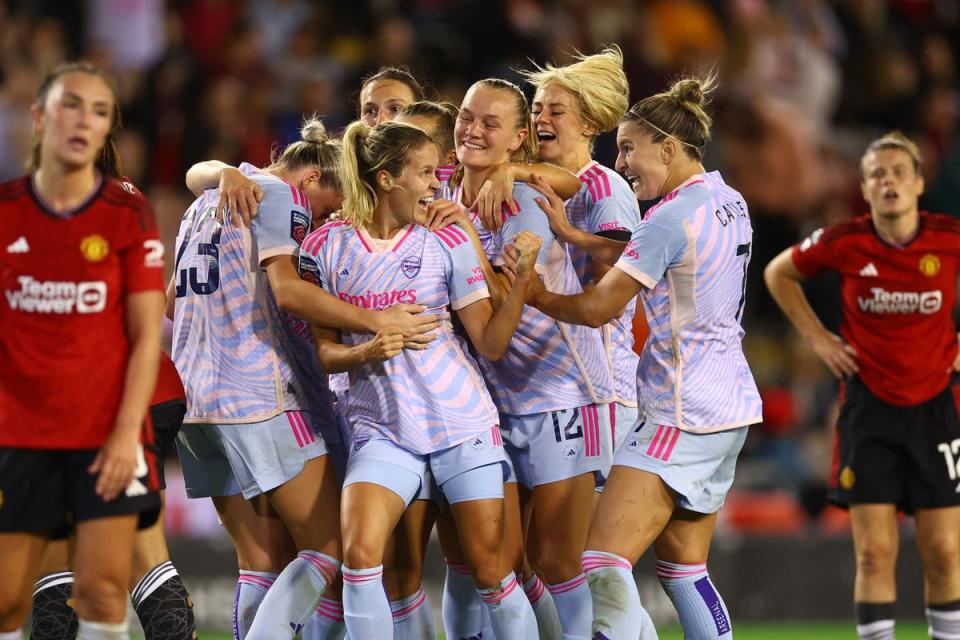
(552, 206)
(495, 194)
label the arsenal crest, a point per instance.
(410, 266)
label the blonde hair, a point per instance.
(108, 160)
(315, 148)
(366, 152)
(678, 113)
(894, 140)
(597, 80)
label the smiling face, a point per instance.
(641, 160)
(383, 100)
(486, 132)
(563, 134)
(75, 119)
(409, 194)
(890, 182)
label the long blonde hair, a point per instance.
(597, 80)
(366, 152)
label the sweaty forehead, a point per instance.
(630, 131)
(552, 93)
(486, 101)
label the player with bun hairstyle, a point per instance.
(688, 261)
(260, 447)
(83, 262)
(415, 411)
(897, 442)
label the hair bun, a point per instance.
(313, 130)
(688, 90)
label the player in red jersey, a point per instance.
(898, 434)
(158, 593)
(81, 268)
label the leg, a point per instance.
(102, 563)
(264, 548)
(482, 530)
(682, 550)
(308, 505)
(403, 572)
(159, 596)
(938, 537)
(875, 543)
(20, 556)
(462, 608)
(52, 617)
(632, 512)
(369, 513)
(560, 521)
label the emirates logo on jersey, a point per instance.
(929, 265)
(94, 248)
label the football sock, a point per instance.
(511, 615)
(163, 605)
(461, 606)
(87, 630)
(327, 622)
(544, 609)
(703, 614)
(52, 617)
(944, 620)
(366, 609)
(252, 587)
(413, 618)
(574, 607)
(617, 612)
(294, 597)
(875, 620)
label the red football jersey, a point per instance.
(169, 386)
(63, 343)
(897, 301)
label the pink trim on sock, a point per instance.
(594, 560)
(498, 594)
(330, 609)
(569, 585)
(257, 581)
(456, 567)
(350, 577)
(534, 591)
(402, 613)
(325, 567)
(673, 571)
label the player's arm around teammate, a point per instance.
(680, 459)
(376, 255)
(119, 256)
(898, 433)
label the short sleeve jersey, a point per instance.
(424, 401)
(691, 254)
(63, 344)
(606, 203)
(241, 358)
(549, 365)
(897, 301)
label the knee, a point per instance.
(361, 553)
(100, 598)
(941, 556)
(557, 562)
(875, 558)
